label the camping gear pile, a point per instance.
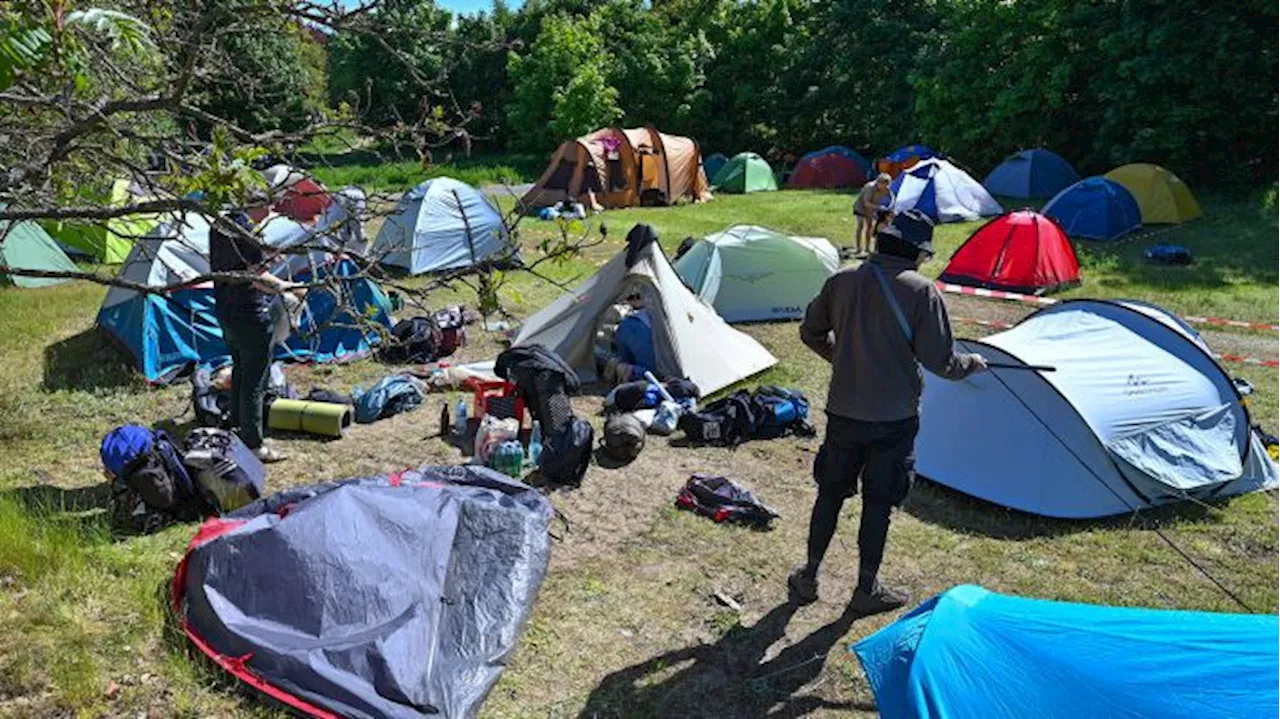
(417, 340)
(767, 412)
(545, 382)
(395, 596)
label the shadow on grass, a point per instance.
(936, 504)
(48, 499)
(729, 677)
(85, 361)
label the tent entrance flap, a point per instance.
(1190, 454)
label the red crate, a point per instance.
(498, 398)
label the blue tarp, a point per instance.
(969, 652)
(1095, 208)
(1031, 173)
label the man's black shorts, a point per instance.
(882, 453)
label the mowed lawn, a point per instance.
(627, 623)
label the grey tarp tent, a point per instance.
(397, 596)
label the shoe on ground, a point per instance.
(269, 455)
(803, 585)
(880, 599)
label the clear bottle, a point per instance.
(460, 418)
(535, 443)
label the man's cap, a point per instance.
(913, 227)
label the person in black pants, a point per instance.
(877, 325)
(243, 308)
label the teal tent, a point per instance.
(26, 246)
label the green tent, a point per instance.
(108, 242)
(746, 172)
(26, 246)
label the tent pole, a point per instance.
(466, 226)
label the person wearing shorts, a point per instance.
(870, 199)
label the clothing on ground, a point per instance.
(234, 253)
(390, 396)
(875, 376)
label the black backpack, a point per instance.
(780, 412)
(226, 471)
(150, 487)
(723, 500)
(567, 453)
(727, 422)
(413, 340)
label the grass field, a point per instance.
(626, 624)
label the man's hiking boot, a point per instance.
(880, 599)
(803, 585)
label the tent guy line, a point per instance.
(1034, 300)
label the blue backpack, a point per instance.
(150, 485)
(780, 412)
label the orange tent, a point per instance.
(618, 167)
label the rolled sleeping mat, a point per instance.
(298, 415)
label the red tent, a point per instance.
(827, 170)
(1020, 251)
(301, 198)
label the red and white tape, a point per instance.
(996, 324)
(1044, 301)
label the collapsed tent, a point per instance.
(712, 164)
(622, 168)
(1031, 173)
(1137, 414)
(1161, 196)
(942, 191)
(690, 340)
(1095, 208)
(827, 169)
(168, 332)
(108, 241)
(904, 158)
(300, 198)
(969, 652)
(745, 172)
(1021, 251)
(750, 274)
(442, 224)
(26, 246)
(398, 596)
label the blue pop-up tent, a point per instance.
(1095, 208)
(170, 330)
(969, 652)
(1031, 173)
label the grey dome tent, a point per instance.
(442, 224)
(1136, 414)
(397, 596)
(690, 339)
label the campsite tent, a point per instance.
(745, 172)
(690, 339)
(904, 158)
(441, 224)
(828, 168)
(26, 246)
(1021, 251)
(300, 198)
(1162, 198)
(107, 242)
(711, 165)
(398, 596)
(168, 332)
(1095, 208)
(624, 168)
(1137, 414)
(942, 191)
(749, 273)
(969, 654)
(843, 151)
(1031, 173)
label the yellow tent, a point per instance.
(1161, 196)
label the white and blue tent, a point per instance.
(168, 332)
(442, 224)
(942, 191)
(1136, 414)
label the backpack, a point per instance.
(451, 323)
(150, 487)
(623, 437)
(227, 472)
(567, 452)
(727, 422)
(1166, 254)
(413, 340)
(723, 500)
(780, 412)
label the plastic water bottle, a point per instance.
(535, 443)
(508, 458)
(460, 418)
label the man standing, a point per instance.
(243, 309)
(876, 325)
